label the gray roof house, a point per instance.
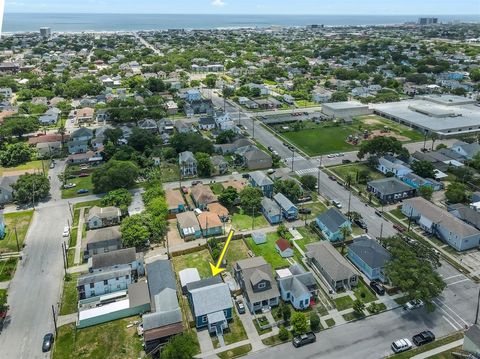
(254, 158)
(466, 150)
(6, 190)
(297, 286)
(99, 217)
(390, 190)
(125, 256)
(336, 271)
(102, 240)
(165, 320)
(260, 179)
(254, 275)
(369, 256)
(471, 341)
(330, 223)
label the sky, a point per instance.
(284, 7)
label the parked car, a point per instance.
(70, 185)
(423, 338)
(345, 162)
(270, 148)
(66, 231)
(304, 339)
(47, 342)
(399, 228)
(401, 345)
(82, 191)
(378, 213)
(83, 174)
(52, 165)
(194, 183)
(413, 304)
(332, 178)
(246, 175)
(336, 203)
(377, 287)
(184, 190)
(305, 210)
(240, 306)
(361, 223)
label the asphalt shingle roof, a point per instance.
(370, 251)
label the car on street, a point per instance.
(285, 144)
(361, 223)
(194, 183)
(401, 345)
(336, 203)
(270, 148)
(345, 162)
(413, 304)
(423, 338)
(83, 174)
(399, 228)
(52, 165)
(240, 305)
(304, 339)
(82, 191)
(66, 231)
(332, 178)
(377, 287)
(330, 156)
(47, 342)
(378, 213)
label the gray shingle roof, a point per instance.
(211, 299)
(270, 206)
(105, 275)
(370, 251)
(160, 276)
(333, 219)
(388, 186)
(337, 267)
(283, 201)
(109, 259)
(260, 178)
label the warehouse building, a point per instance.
(347, 109)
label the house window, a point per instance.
(127, 276)
(204, 319)
(261, 285)
(306, 302)
(92, 285)
(105, 282)
(116, 278)
(288, 295)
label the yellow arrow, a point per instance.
(217, 269)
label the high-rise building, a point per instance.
(45, 32)
(427, 20)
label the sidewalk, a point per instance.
(66, 319)
(78, 246)
(438, 350)
(4, 285)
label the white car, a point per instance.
(413, 304)
(66, 231)
(401, 345)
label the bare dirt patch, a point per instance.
(378, 133)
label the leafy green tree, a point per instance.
(412, 270)
(31, 188)
(426, 192)
(475, 162)
(282, 230)
(424, 169)
(228, 197)
(210, 80)
(251, 198)
(380, 146)
(456, 193)
(226, 137)
(299, 323)
(314, 322)
(345, 231)
(152, 192)
(181, 346)
(339, 96)
(3, 301)
(289, 188)
(141, 139)
(309, 182)
(193, 142)
(114, 175)
(204, 164)
(15, 154)
(285, 312)
(475, 74)
(113, 134)
(283, 334)
(120, 198)
(358, 307)
(135, 231)
(18, 126)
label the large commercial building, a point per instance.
(446, 115)
(347, 109)
(45, 32)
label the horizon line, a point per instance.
(231, 13)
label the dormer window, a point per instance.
(261, 285)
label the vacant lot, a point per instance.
(235, 252)
(242, 221)
(375, 123)
(7, 269)
(200, 260)
(70, 295)
(29, 167)
(82, 183)
(268, 252)
(111, 340)
(308, 237)
(20, 221)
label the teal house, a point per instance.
(370, 257)
(331, 223)
(3, 229)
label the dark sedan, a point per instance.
(424, 337)
(47, 342)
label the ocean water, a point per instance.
(16, 22)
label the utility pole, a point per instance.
(71, 212)
(16, 237)
(253, 218)
(381, 230)
(478, 307)
(54, 321)
(293, 156)
(64, 255)
(349, 202)
(319, 172)
(33, 194)
(253, 121)
(410, 219)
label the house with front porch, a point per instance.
(390, 190)
(254, 275)
(297, 286)
(261, 180)
(369, 256)
(188, 164)
(331, 223)
(271, 210)
(210, 224)
(175, 201)
(188, 226)
(99, 217)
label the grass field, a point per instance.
(267, 251)
(235, 352)
(200, 260)
(111, 340)
(29, 166)
(20, 220)
(7, 269)
(308, 237)
(242, 221)
(82, 183)
(316, 207)
(363, 293)
(217, 188)
(343, 303)
(234, 333)
(353, 169)
(236, 251)
(70, 295)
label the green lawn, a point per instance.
(352, 316)
(235, 352)
(263, 321)
(82, 183)
(88, 204)
(200, 260)
(20, 220)
(425, 348)
(363, 293)
(70, 295)
(397, 212)
(330, 322)
(343, 303)
(235, 332)
(170, 172)
(7, 269)
(308, 237)
(316, 207)
(274, 340)
(449, 353)
(242, 221)
(32, 165)
(235, 252)
(268, 252)
(111, 340)
(353, 169)
(217, 188)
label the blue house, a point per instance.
(416, 182)
(289, 210)
(211, 304)
(210, 224)
(261, 180)
(2, 227)
(271, 211)
(331, 222)
(369, 256)
(297, 286)
(193, 95)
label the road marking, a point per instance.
(458, 281)
(449, 322)
(453, 276)
(309, 170)
(455, 313)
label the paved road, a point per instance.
(371, 337)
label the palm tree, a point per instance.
(345, 231)
(434, 137)
(348, 179)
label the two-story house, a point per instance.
(331, 222)
(188, 164)
(79, 140)
(289, 210)
(262, 181)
